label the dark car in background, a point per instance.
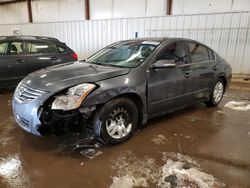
(21, 55)
(121, 87)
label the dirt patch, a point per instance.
(178, 171)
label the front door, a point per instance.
(170, 88)
(12, 63)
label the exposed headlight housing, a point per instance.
(73, 98)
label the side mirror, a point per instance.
(163, 64)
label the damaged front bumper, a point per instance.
(27, 114)
(36, 116)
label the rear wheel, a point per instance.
(216, 93)
(116, 120)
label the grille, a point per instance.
(25, 93)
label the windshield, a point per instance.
(124, 54)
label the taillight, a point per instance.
(74, 56)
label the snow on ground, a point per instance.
(182, 171)
(239, 106)
(178, 171)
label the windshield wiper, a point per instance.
(103, 64)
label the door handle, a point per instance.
(187, 74)
(215, 67)
(54, 58)
(19, 60)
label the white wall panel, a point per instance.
(101, 9)
(129, 8)
(14, 13)
(156, 7)
(209, 6)
(57, 10)
(226, 33)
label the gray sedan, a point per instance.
(121, 87)
(21, 55)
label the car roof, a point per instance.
(28, 37)
(161, 39)
(164, 39)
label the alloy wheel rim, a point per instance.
(218, 92)
(118, 124)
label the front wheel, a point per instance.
(116, 120)
(216, 93)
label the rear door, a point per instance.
(204, 68)
(41, 54)
(12, 65)
(170, 88)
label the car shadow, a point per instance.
(77, 144)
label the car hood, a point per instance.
(58, 77)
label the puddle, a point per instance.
(6, 136)
(238, 106)
(178, 171)
(11, 170)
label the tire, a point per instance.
(217, 93)
(116, 121)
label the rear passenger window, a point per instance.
(61, 49)
(198, 53)
(37, 47)
(3, 48)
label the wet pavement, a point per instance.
(218, 138)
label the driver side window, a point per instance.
(175, 51)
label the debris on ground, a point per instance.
(248, 133)
(85, 143)
(128, 182)
(91, 153)
(192, 119)
(239, 106)
(9, 102)
(178, 171)
(160, 139)
(221, 112)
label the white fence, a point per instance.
(226, 33)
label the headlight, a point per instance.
(73, 97)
